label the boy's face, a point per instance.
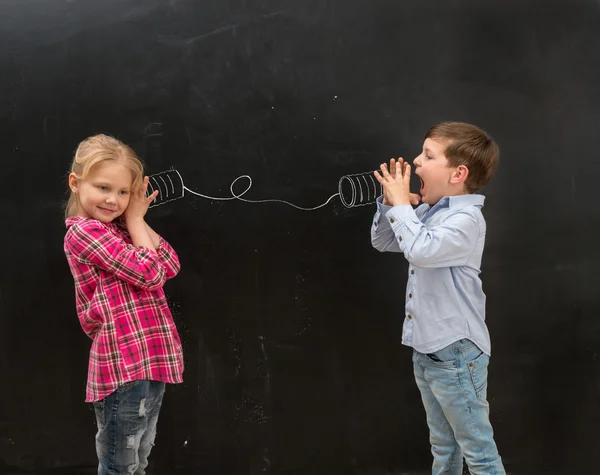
(104, 194)
(438, 178)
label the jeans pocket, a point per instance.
(99, 409)
(478, 370)
(127, 386)
(436, 360)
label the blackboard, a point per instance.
(290, 320)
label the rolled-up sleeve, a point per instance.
(92, 243)
(168, 258)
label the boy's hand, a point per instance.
(396, 184)
(392, 171)
(138, 204)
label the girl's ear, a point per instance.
(73, 182)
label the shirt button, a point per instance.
(410, 296)
(409, 316)
(399, 238)
(412, 271)
(392, 220)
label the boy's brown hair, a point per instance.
(470, 146)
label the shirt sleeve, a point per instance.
(382, 235)
(94, 244)
(168, 258)
(449, 244)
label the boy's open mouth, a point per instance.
(422, 185)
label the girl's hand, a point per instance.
(138, 204)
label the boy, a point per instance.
(444, 323)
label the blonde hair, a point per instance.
(98, 149)
(470, 146)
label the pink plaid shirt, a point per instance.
(122, 306)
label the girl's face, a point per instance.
(104, 194)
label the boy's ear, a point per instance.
(73, 182)
(459, 175)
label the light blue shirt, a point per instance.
(443, 245)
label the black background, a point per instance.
(291, 321)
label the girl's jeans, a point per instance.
(127, 427)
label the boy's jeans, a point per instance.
(127, 427)
(453, 385)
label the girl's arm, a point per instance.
(92, 243)
(167, 255)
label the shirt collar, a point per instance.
(115, 224)
(458, 201)
(462, 201)
(71, 220)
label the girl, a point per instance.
(120, 265)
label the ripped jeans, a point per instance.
(127, 422)
(453, 386)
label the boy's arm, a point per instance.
(167, 255)
(448, 245)
(382, 236)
